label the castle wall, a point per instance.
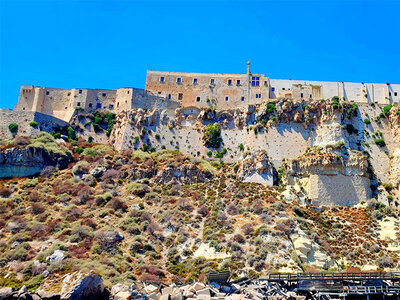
(201, 90)
(350, 91)
(23, 118)
(222, 91)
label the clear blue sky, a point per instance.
(111, 44)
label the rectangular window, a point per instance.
(180, 96)
(259, 95)
(283, 89)
(273, 89)
(242, 98)
(80, 91)
(98, 105)
(198, 99)
(226, 98)
(78, 104)
(301, 95)
(256, 95)
(162, 79)
(238, 82)
(265, 83)
(169, 96)
(395, 93)
(229, 82)
(69, 94)
(179, 80)
(255, 81)
(127, 92)
(194, 80)
(310, 96)
(212, 81)
(90, 104)
(111, 106)
(104, 94)
(47, 93)
(390, 94)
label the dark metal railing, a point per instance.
(334, 276)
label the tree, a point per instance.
(13, 127)
(212, 136)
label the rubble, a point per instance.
(218, 286)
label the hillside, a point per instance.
(150, 195)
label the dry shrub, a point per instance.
(78, 252)
(40, 232)
(239, 238)
(5, 191)
(154, 270)
(72, 215)
(118, 204)
(37, 208)
(34, 196)
(48, 171)
(89, 222)
(248, 229)
(184, 204)
(111, 174)
(203, 211)
(84, 194)
(22, 140)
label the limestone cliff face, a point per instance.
(333, 178)
(256, 167)
(394, 123)
(329, 163)
(26, 157)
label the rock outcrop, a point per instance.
(74, 286)
(310, 252)
(28, 156)
(256, 167)
(30, 161)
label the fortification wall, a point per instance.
(350, 91)
(23, 118)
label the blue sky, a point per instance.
(111, 44)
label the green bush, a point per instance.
(34, 124)
(212, 136)
(387, 109)
(241, 147)
(97, 120)
(367, 121)
(13, 127)
(71, 133)
(110, 119)
(380, 142)
(209, 153)
(270, 108)
(78, 150)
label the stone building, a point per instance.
(222, 91)
(177, 89)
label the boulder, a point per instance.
(58, 255)
(204, 292)
(73, 286)
(6, 293)
(122, 296)
(118, 288)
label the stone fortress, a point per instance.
(177, 89)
